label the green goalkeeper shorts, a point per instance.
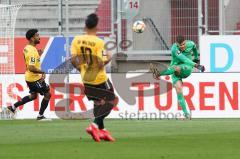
(186, 71)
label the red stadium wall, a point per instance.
(104, 13)
(213, 15)
(184, 18)
(20, 43)
(182, 14)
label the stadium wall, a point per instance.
(218, 54)
(208, 95)
(139, 97)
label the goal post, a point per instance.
(8, 14)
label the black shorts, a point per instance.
(102, 91)
(38, 87)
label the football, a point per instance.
(139, 26)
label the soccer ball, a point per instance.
(139, 26)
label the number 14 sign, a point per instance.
(131, 8)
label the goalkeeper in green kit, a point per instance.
(184, 58)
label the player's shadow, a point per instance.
(127, 85)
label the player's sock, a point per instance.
(182, 102)
(107, 110)
(98, 116)
(168, 71)
(100, 112)
(99, 122)
(44, 105)
(21, 102)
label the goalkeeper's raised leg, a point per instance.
(181, 67)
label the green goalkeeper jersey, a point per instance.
(184, 57)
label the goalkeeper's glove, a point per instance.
(200, 67)
(196, 60)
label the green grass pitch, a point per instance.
(143, 139)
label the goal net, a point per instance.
(8, 14)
